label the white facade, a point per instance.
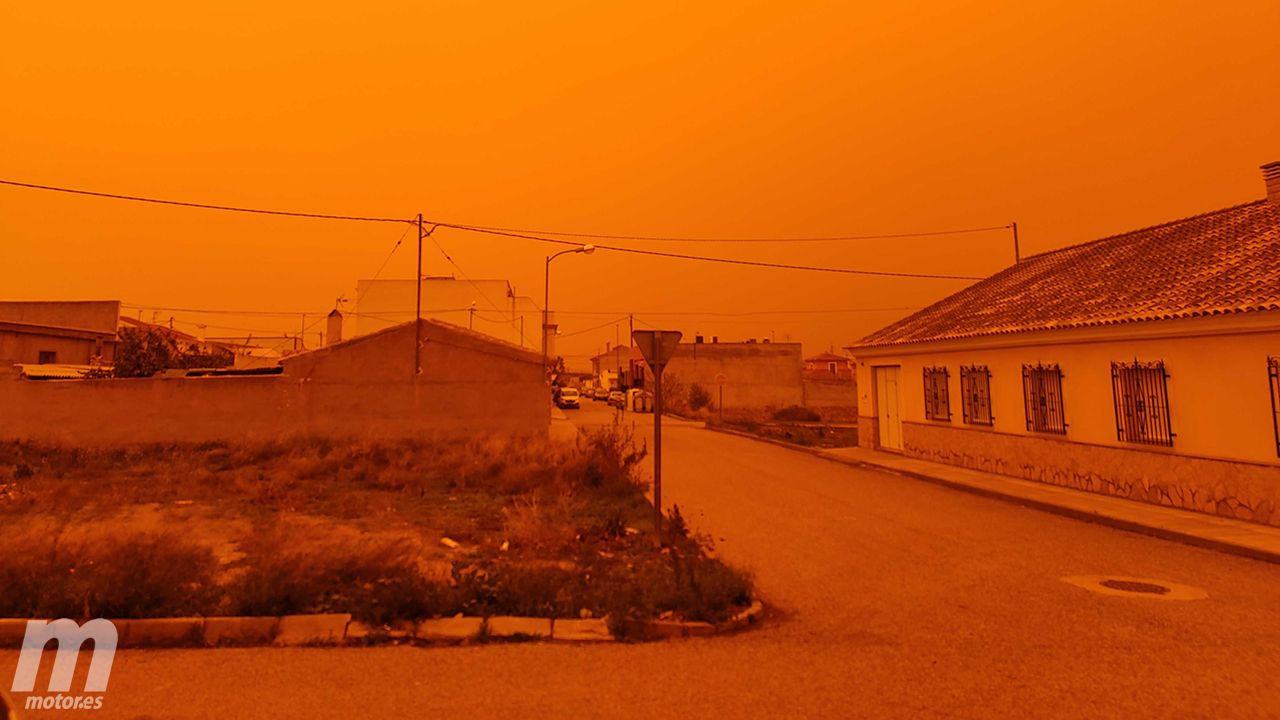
(486, 306)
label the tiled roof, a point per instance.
(1222, 262)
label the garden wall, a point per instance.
(364, 387)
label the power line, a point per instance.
(512, 234)
(383, 266)
(475, 286)
(705, 258)
(384, 315)
(709, 313)
(668, 238)
(592, 328)
(204, 206)
(166, 308)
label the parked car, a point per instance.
(601, 394)
(567, 398)
(617, 399)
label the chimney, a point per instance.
(1271, 176)
(333, 328)
(697, 339)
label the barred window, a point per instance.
(1273, 370)
(1042, 394)
(937, 405)
(1141, 395)
(975, 394)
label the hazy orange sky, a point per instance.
(1076, 119)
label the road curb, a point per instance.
(339, 629)
(1119, 523)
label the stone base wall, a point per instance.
(868, 431)
(1244, 491)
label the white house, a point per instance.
(1145, 365)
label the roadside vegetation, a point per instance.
(796, 424)
(393, 531)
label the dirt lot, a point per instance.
(386, 531)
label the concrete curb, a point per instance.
(339, 629)
(1119, 523)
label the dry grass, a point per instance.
(49, 571)
(324, 526)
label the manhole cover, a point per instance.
(1135, 587)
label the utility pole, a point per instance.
(302, 333)
(1017, 254)
(417, 309)
(657, 347)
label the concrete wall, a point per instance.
(97, 315)
(25, 346)
(77, 331)
(824, 393)
(363, 387)
(756, 374)
(1224, 456)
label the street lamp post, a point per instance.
(546, 295)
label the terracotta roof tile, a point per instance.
(1221, 262)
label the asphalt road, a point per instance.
(891, 598)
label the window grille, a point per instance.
(1273, 371)
(1141, 394)
(975, 394)
(1042, 394)
(937, 404)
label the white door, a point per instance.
(889, 406)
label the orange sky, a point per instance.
(1076, 119)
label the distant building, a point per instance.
(753, 374)
(1144, 365)
(491, 307)
(828, 366)
(612, 368)
(59, 332)
(830, 383)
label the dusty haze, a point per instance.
(1076, 120)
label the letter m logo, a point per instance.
(70, 636)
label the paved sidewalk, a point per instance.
(1261, 542)
(1234, 536)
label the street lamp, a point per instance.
(546, 294)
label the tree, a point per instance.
(698, 397)
(675, 396)
(145, 351)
